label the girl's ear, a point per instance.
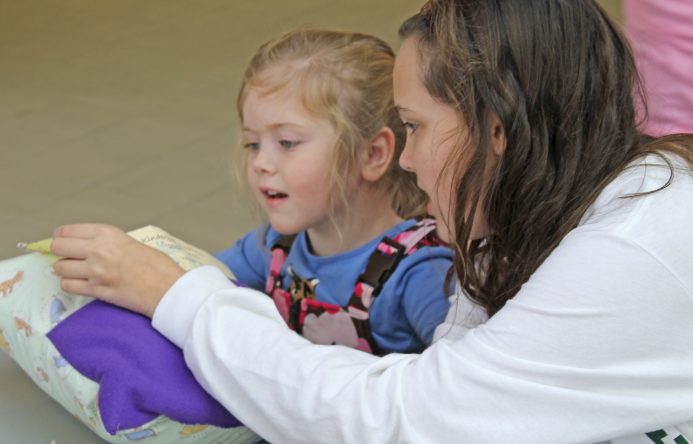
(498, 140)
(378, 155)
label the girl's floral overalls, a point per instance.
(325, 323)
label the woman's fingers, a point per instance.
(81, 231)
(72, 269)
(77, 286)
(85, 288)
(70, 247)
(80, 241)
(104, 262)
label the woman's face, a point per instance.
(434, 130)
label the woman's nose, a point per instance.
(405, 160)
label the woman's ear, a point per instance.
(379, 152)
(498, 140)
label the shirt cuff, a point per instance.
(176, 311)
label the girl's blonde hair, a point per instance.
(346, 78)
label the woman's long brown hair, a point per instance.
(561, 79)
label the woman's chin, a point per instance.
(443, 230)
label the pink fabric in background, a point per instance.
(661, 33)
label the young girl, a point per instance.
(338, 258)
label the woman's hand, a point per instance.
(104, 262)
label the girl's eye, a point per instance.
(288, 143)
(253, 146)
(410, 127)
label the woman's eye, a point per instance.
(288, 143)
(253, 146)
(410, 127)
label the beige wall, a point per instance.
(613, 7)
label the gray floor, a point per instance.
(123, 112)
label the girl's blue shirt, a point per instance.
(412, 302)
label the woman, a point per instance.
(571, 234)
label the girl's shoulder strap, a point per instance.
(387, 256)
(284, 242)
(421, 234)
(278, 254)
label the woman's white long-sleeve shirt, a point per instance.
(597, 345)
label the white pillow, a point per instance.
(32, 304)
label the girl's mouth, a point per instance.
(273, 197)
(274, 194)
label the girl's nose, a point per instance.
(264, 162)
